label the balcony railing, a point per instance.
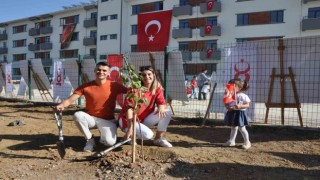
(34, 32)
(3, 50)
(310, 24)
(186, 55)
(182, 10)
(181, 33)
(46, 30)
(34, 47)
(216, 7)
(3, 36)
(87, 41)
(46, 61)
(215, 55)
(215, 31)
(46, 46)
(90, 23)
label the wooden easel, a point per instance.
(159, 77)
(41, 86)
(282, 77)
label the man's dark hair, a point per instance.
(102, 63)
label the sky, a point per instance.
(18, 9)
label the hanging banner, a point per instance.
(9, 83)
(67, 33)
(210, 4)
(208, 29)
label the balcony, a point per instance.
(90, 23)
(216, 7)
(3, 50)
(181, 33)
(182, 10)
(34, 32)
(46, 30)
(34, 47)
(310, 24)
(306, 1)
(46, 46)
(3, 36)
(215, 55)
(215, 31)
(46, 61)
(88, 41)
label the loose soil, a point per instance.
(29, 151)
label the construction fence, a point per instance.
(283, 76)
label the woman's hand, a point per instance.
(161, 111)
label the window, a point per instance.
(20, 43)
(212, 21)
(69, 20)
(18, 57)
(266, 17)
(183, 2)
(75, 36)
(113, 36)
(158, 6)
(93, 52)
(134, 48)
(113, 16)
(103, 37)
(69, 53)
(257, 38)
(183, 24)
(47, 39)
(46, 70)
(103, 56)
(314, 12)
(135, 9)
(183, 46)
(42, 55)
(134, 29)
(19, 29)
(16, 71)
(94, 15)
(211, 44)
(103, 18)
(104, 1)
(277, 16)
(93, 33)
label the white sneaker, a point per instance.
(246, 145)
(162, 142)
(89, 145)
(229, 143)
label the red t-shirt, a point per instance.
(145, 110)
(194, 83)
(101, 99)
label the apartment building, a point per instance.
(110, 27)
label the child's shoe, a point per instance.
(229, 143)
(246, 145)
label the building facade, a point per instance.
(110, 27)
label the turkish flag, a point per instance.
(67, 35)
(229, 93)
(154, 30)
(116, 62)
(209, 52)
(210, 5)
(208, 29)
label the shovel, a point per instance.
(102, 153)
(60, 144)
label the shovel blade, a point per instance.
(61, 149)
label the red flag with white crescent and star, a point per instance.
(229, 93)
(116, 63)
(210, 5)
(67, 35)
(154, 30)
(208, 29)
(209, 52)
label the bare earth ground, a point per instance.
(29, 151)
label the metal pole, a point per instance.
(29, 79)
(166, 57)
(79, 76)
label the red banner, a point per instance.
(67, 35)
(210, 4)
(229, 93)
(208, 29)
(116, 62)
(209, 52)
(154, 31)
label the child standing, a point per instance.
(205, 89)
(194, 87)
(236, 116)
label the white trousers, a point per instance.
(151, 120)
(107, 128)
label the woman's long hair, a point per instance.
(155, 83)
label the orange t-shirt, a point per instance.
(101, 99)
